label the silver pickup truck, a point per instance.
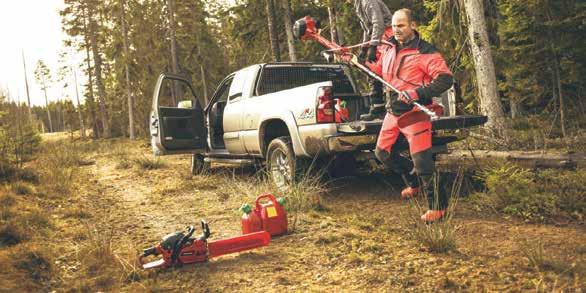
(284, 114)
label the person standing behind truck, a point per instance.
(375, 20)
(418, 70)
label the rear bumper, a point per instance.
(328, 139)
(347, 143)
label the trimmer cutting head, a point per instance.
(303, 28)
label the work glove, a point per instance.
(362, 54)
(371, 56)
(408, 97)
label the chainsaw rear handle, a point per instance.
(147, 252)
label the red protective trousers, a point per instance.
(415, 126)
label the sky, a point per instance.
(33, 26)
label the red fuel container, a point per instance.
(250, 220)
(272, 215)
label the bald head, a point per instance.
(403, 25)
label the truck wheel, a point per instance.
(198, 165)
(284, 167)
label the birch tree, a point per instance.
(43, 77)
(490, 104)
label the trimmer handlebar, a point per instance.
(308, 28)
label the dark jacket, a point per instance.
(417, 65)
(374, 17)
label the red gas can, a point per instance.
(272, 215)
(250, 220)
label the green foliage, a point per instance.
(533, 195)
(19, 138)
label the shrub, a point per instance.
(533, 195)
(11, 234)
(27, 174)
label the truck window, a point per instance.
(274, 79)
(242, 83)
(223, 91)
(175, 94)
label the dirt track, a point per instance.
(358, 242)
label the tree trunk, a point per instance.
(561, 98)
(81, 122)
(130, 99)
(289, 30)
(558, 81)
(515, 108)
(204, 86)
(98, 74)
(90, 87)
(490, 104)
(48, 111)
(529, 159)
(28, 97)
(274, 39)
(175, 93)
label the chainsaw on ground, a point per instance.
(308, 28)
(179, 248)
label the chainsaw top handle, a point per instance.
(179, 244)
(205, 230)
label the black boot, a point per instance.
(377, 105)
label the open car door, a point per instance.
(177, 122)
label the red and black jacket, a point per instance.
(415, 66)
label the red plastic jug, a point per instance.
(250, 220)
(272, 215)
(341, 111)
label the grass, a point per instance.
(23, 188)
(539, 260)
(437, 236)
(300, 197)
(29, 265)
(147, 163)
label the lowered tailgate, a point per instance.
(443, 123)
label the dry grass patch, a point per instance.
(78, 212)
(23, 188)
(541, 261)
(104, 261)
(25, 267)
(147, 163)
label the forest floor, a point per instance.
(359, 239)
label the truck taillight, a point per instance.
(325, 105)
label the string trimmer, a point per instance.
(308, 28)
(178, 248)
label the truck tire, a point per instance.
(283, 166)
(198, 165)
